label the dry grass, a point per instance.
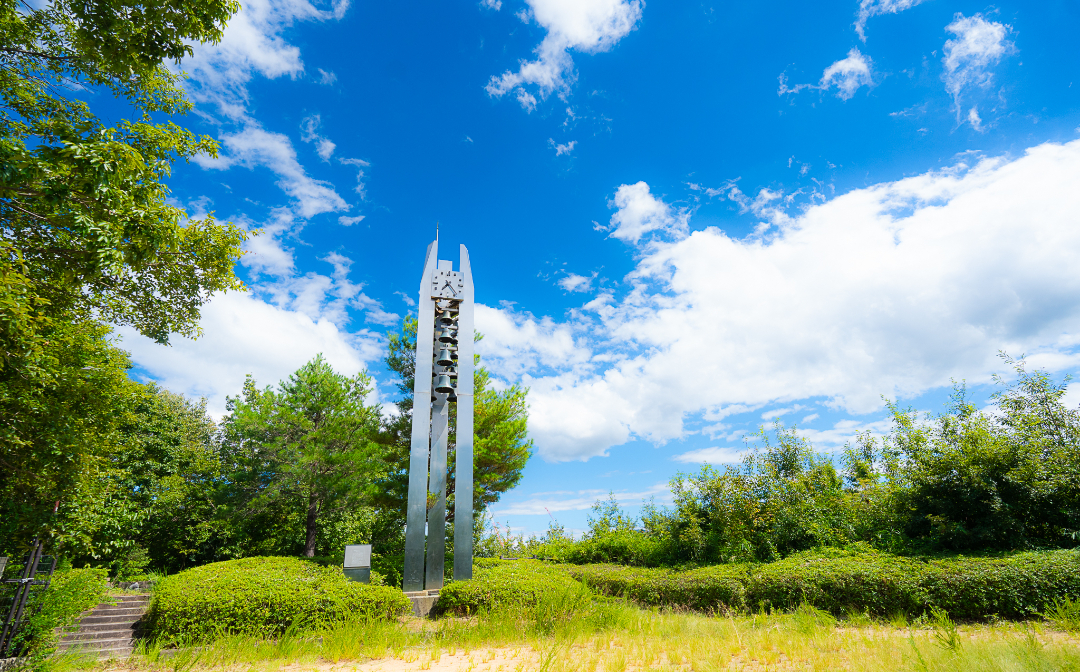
(630, 639)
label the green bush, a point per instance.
(501, 584)
(839, 582)
(263, 597)
(70, 593)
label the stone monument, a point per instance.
(443, 380)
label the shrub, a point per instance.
(70, 593)
(840, 582)
(501, 584)
(263, 597)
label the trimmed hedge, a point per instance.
(263, 597)
(499, 584)
(836, 581)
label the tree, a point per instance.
(972, 480)
(500, 430)
(86, 222)
(68, 431)
(87, 234)
(310, 442)
(170, 468)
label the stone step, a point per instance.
(123, 606)
(101, 627)
(98, 644)
(126, 614)
(83, 636)
(131, 597)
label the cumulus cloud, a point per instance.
(638, 212)
(255, 146)
(847, 75)
(869, 8)
(252, 42)
(978, 46)
(244, 335)
(284, 320)
(587, 26)
(892, 289)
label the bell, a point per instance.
(442, 383)
(446, 318)
(444, 358)
(448, 337)
(452, 397)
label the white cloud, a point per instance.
(543, 503)
(577, 283)
(847, 75)
(252, 43)
(327, 78)
(349, 221)
(639, 212)
(563, 148)
(255, 146)
(244, 335)
(266, 253)
(893, 289)
(491, 4)
(309, 132)
(974, 119)
(588, 26)
(714, 455)
(979, 46)
(359, 164)
(869, 8)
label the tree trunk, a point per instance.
(312, 526)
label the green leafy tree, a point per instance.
(302, 452)
(781, 499)
(86, 222)
(87, 233)
(973, 480)
(68, 431)
(501, 446)
(171, 469)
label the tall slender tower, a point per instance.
(443, 380)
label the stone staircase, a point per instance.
(108, 630)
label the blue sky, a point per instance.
(684, 219)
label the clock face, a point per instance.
(447, 284)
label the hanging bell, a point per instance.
(442, 383)
(444, 358)
(452, 397)
(446, 318)
(448, 337)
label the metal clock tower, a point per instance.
(443, 381)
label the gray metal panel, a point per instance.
(359, 574)
(463, 488)
(413, 578)
(436, 548)
(357, 555)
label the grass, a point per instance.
(573, 633)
